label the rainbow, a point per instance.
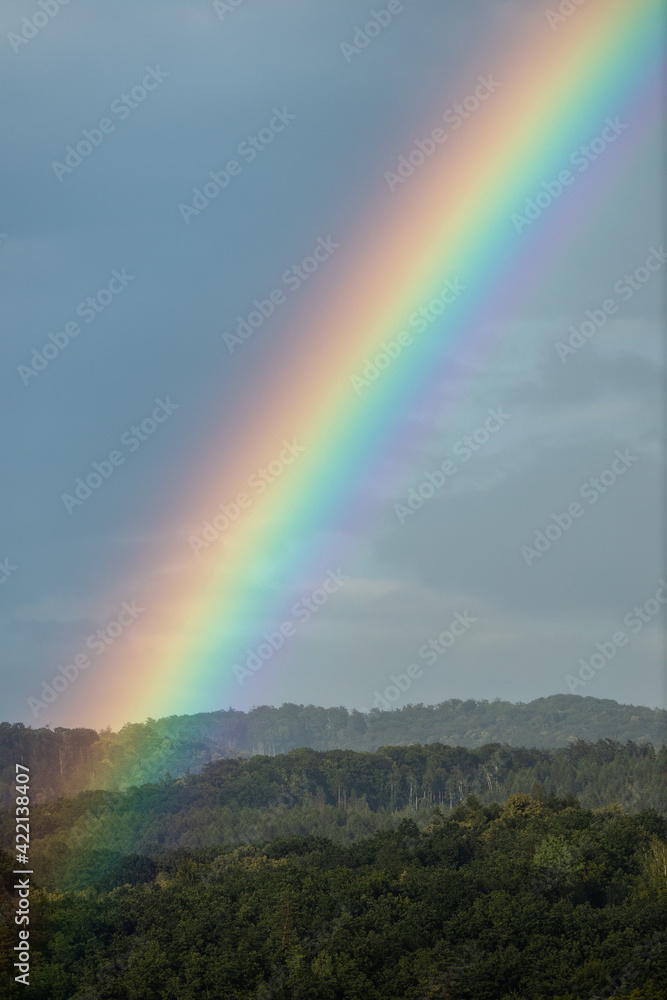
(451, 221)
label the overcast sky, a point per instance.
(208, 79)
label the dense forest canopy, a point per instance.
(533, 899)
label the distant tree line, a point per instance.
(67, 761)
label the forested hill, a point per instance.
(67, 761)
(337, 794)
(320, 874)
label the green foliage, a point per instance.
(415, 872)
(344, 796)
(443, 911)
